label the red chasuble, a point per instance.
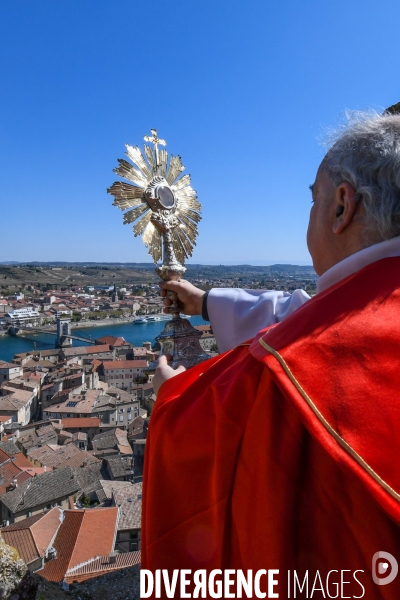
(284, 453)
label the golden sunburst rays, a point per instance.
(154, 162)
(175, 169)
(149, 155)
(152, 240)
(135, 213)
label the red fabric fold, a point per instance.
(240, 471)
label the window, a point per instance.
(121, 417)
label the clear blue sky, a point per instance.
(241, 90)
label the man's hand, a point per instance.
(190, 298)
(164, 372)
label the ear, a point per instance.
(345, 207)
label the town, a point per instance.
(74, 418)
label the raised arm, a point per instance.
(237, 315)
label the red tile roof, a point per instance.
(77, 423)
(44, 530)
(32, 471)
(124, 364)
(24, 524)
(111, 340)
(77, 350)
(103, 565)
(10, 471)
(96, 363)
(83, 535)
(21, 461)
(5, 418)
(22, 540)
(32, 537)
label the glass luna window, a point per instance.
(165, 196)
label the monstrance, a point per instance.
(166, 211)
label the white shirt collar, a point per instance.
(358, 261)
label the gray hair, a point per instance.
(366, 154)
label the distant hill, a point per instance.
(64, 275)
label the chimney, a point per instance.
(51, 553)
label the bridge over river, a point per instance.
(63, 333)
(80, 338)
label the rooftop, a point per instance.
(129, 501)
(9, 448)
(112, 341)
(109, 486)
(79, 423)
(77, 350)
(116, 438)
(83, 536)
(5, 418)
(33, 440)
(120, 396)
(10, 472)
(42, 489)
(52, 455)
(6, 365)
(119, 466)
(47, 364)
(103, 565)
(77, 403)
(124, 364)
(91, 476)
(33, 536)
(53, 352)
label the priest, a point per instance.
(281, 454)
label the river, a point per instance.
(134, 334)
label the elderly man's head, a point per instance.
(356, 194)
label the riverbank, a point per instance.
(135, 334)
(85, 324)
(110, 321)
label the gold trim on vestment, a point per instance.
(327, 426)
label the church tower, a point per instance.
(114, 294)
